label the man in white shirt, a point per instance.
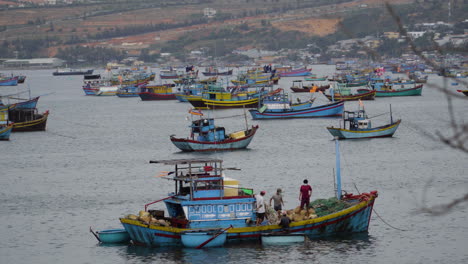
(260, 207)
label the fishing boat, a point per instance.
(69, 71)
(202, 200)
(299, 87)
(5, 125)
(157, 92)
(315, 78)
(296, 72)
(111, 236)
(26, 120)
(205, 136)
(342, 96)
(213, 71)
(387, 91)
(280, 102)
(170, 74)
(22, 103)
(356, 124)
(9, 81)
(218, 99)
(327, 110)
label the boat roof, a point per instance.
(186, 161)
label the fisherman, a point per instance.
(305, 193)
(285, 221)
(277, 199)
(260, 205)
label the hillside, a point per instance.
(116, 26)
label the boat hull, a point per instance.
(415, 91)
(5, 132)
(145, 96)
(333, 109)
(201, 103)
(190, 145)
(28, 104)
(29, 122)
(9, 82)
(382, 131)
(351, 220)
(369, 95)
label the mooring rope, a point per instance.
(381, 218)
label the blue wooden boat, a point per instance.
(357, 125)
(332, 109)
(9, 81)
(204, 238)
(25, 103)
(113, 236)
(205, 136)
(200, 200)
(296, 73)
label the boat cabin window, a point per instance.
(363, 124)
(207, 185)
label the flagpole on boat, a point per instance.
(338, 170)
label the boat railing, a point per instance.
(160, 200)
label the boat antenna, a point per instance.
(338, 170)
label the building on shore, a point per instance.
(33, 63)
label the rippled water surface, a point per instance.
(91, 167)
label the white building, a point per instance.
(209, 12)
(34, 63)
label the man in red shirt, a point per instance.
(305, 194)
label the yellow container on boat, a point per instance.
(230, 187)
(236, 135)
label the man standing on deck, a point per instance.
(304, 194)
(260, 207)
(277, 201)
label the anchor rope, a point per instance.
(373, 209)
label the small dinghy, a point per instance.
(111, 235)
(279, 238)
(204, 238)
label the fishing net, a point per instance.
(327, 206)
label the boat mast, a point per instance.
(338, 169)
(391, 117)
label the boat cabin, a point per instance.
(205, 130)
(356, 120)
(203, 197)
